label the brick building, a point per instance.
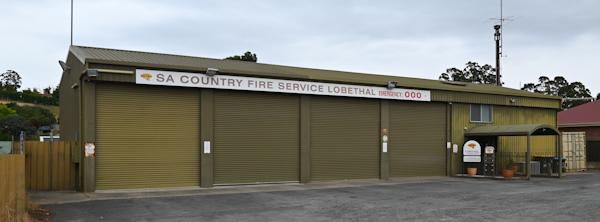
(584, 118)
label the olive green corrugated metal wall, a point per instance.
(492, 99)
(146, 139)
(417, 142)
(256, 137)
(344, 138)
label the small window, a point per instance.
(481, 113)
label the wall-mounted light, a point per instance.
(63, 65)
(392, 84)
(92, 73)
(212, 72)
(512, 100)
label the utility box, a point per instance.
(5, 147)
(574, 151)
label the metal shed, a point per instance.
(283, 124)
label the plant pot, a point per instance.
(508, 173)
(472, 171)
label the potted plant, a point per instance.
(508, 170)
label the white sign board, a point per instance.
(206, 146)
(489, 150)
(471, 148)
(472, 159)
(183, 79)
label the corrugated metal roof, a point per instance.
(157, 60)
(513, 130)
(580, 115)
(167, 61)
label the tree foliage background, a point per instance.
(248, 56)
(559, 86)
(15, 118)
(13, 125)
(472, 73)
(10, 82)
(574, 93)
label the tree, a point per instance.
(248, 56)
(48, 90)
(56, 93)
(32, 92)
(37, 116)
(5, 111)
(10, 80)
(472, 73)
(13, 125)
(559, 86)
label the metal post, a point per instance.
(71, 22)
(50, 168)
(22, 142)
(528, 158)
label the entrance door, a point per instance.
(417, 144)
(256, 137)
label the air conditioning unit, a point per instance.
(535, 167)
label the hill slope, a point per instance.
(53, 109)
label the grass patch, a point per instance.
(34, 213)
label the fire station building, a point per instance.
(149, 120)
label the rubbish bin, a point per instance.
(559, 164)
(545, 163)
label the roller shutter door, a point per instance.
(344, 138)
(147, 136)
(417, 144)
(256, 137)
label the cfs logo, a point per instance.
(146, 76)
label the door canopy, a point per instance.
(513, 130)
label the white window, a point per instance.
(481, 113)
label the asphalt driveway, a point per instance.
(575, 198)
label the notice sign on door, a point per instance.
(206, 146)
(90, 149)
(472, 148)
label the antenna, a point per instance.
(71, 22)
(498, 39)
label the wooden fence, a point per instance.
(12, 186)
(48, 165)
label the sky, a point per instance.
(407, 38)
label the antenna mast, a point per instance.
(71, 22)
(498, 38)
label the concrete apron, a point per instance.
(61, 197)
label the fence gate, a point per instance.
(48, 165)
(574, 150)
